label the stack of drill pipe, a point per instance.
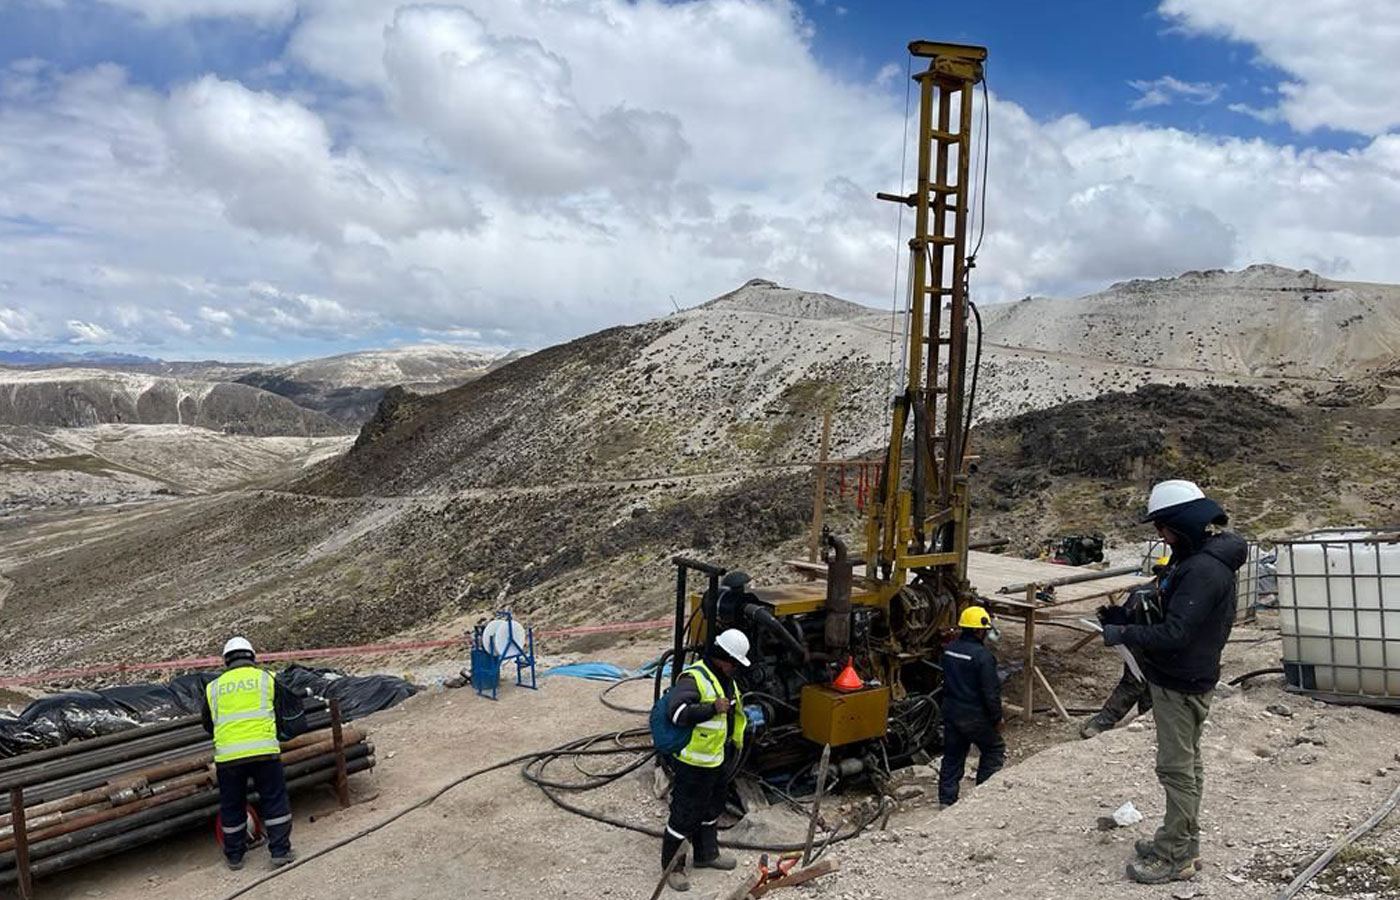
(130, 789)
(48, 778)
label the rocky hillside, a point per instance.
(561, 484)
(1278, 470)
(68, 398)
(348, 387)
(1263, 321)
(742, 381)
(74, 467)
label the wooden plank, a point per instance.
(1054, 698)
(1028, 653)
(814, 548)
(1083, 642)
(21, 841)
(792, 879)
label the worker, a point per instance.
(1139, 608)
(707, 699)
(249, 712)
(1181, 659)
(971, 704)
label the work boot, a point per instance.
(678, 881)
(1155, 870)
(1093, 727)
(1146, 848)
(233, 864)
(280, 861)
(722, 861)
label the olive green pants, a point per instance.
(1180, 719)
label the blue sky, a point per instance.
(282, 178)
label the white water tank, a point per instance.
(1339, 614)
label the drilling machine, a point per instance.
(891, 619)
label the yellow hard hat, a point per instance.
(975, 617)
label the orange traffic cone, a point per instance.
(848, 680)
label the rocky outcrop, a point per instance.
(71, 398)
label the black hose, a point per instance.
(618, 707)
(1255, 674)
(976, 369)
(533, 773)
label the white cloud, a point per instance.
(1340, 53)
(88, 333)
(529, 171)
(271, 163)
(888, 74)
(1268, 116)
(167, 11)
(16, 325)
(506, 106)
(1166, 90)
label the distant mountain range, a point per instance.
(91, 358)
(346, 387)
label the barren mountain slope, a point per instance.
(64, 398)
(306, 570)
(1086, 466)
(348, 387)
(743, 380)
(56, 467)
(561, 483)
(1264, 320)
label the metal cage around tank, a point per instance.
(1339, 614)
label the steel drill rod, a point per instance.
(159, 772)
(43, 772)
(136, 732)
(208, 799)
(1092, 575)
(84, 779)
(106, 815)
(137, 837)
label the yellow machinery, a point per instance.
(890, 622)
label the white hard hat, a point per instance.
(736, 644)
(1167, 494)
(237, 645)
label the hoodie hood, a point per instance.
(1229, 548)
(1190, 520)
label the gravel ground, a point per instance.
(1280, 788)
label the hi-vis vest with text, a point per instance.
(706, 747)
(241, 703)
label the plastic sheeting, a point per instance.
(78, 715)
(595, 671)
(359, 695)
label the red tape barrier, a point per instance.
(360, 650)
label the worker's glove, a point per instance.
(1112, 615)
(1113, 635)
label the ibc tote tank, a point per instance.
(1339, 614)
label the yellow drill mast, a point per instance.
(921, 525)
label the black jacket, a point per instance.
(291, 717)
(971, 689)
(1198, 600)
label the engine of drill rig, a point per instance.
(848, 669)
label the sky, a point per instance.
(277, 179)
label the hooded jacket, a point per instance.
(1182, 653)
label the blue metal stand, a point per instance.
(486, 665)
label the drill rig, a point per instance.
(891, 620)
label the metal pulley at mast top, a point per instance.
(922, 523)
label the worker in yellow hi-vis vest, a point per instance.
(707, 699)
(248, 712)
